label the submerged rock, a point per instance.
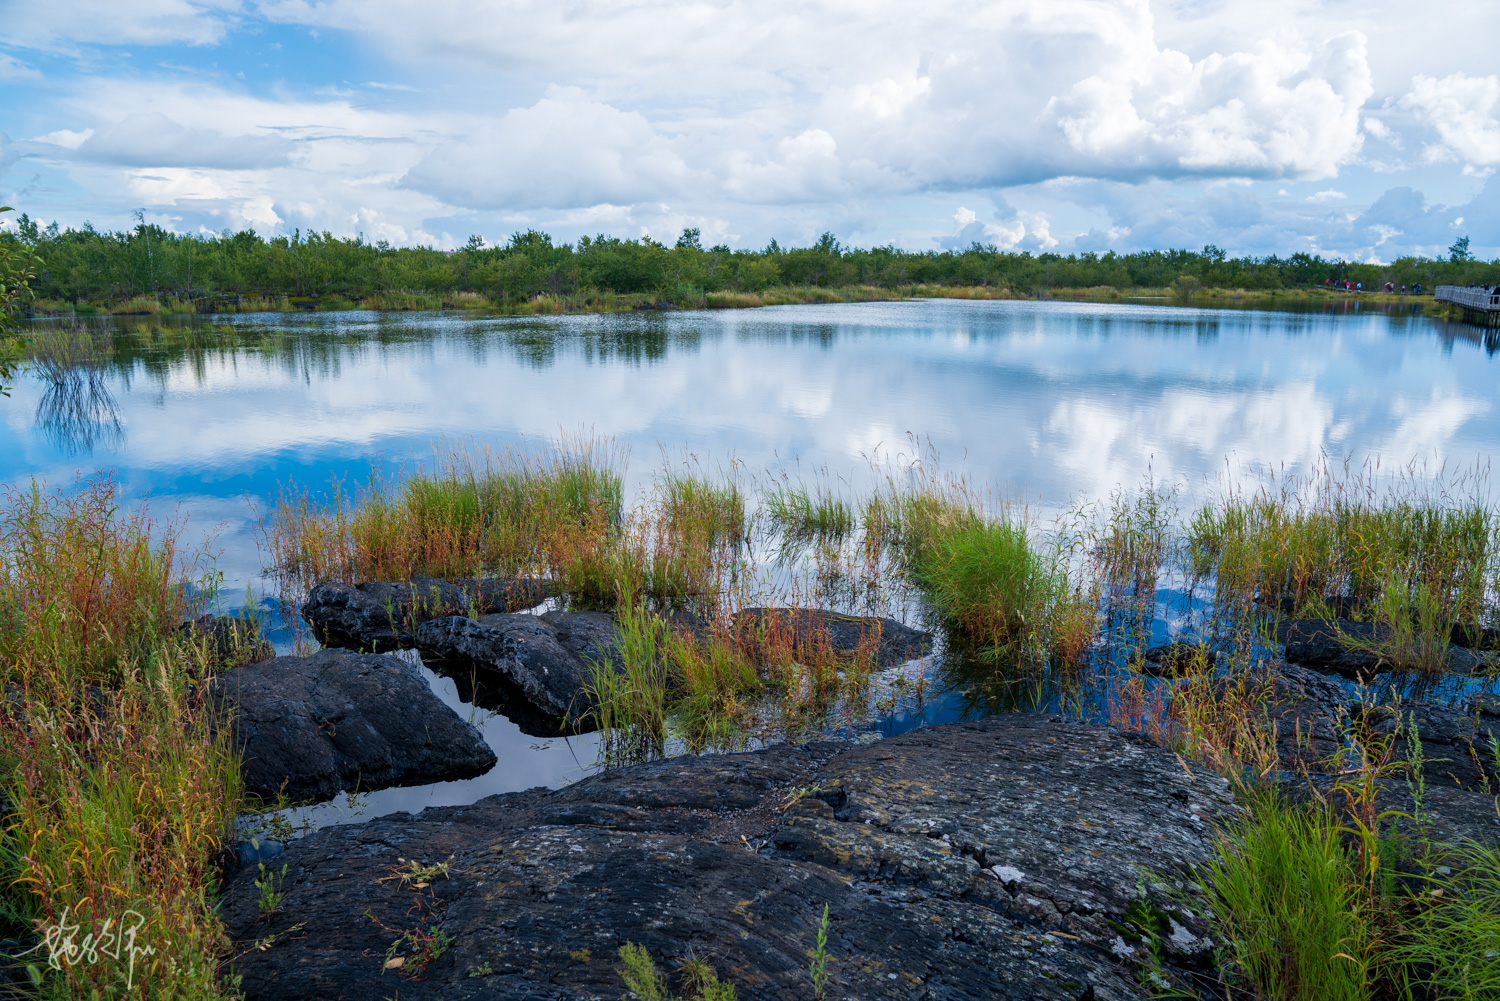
(533, 668)
(230, 642)
(1176, 659)
(380, 616)
(1354, 649)
(892, 642)
(339, 721)
(1015, 857)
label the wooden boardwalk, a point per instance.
(1480, 305)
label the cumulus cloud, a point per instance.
(65, 25)
(778, 117)
(1462, 109)
(562, 152)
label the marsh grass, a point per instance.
(1339, 540)
(477, 513)
(119, 779)
(1288, 901)
(86, 588)
(803, 516)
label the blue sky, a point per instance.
(1366, 130)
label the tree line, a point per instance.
(90, 266)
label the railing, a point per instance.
(1469, 298)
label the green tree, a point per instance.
(1460, 250)
(17, 268)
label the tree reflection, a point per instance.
(77, 410)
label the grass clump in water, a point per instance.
(804, 516)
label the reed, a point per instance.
(803, 516)
(118, 776)
(86, 589)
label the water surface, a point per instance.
(208, 417)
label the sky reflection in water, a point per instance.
(1059, 401)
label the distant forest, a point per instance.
(87, 266)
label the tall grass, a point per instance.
(477, 513)
(804, 515)
(119, 779)
(1339, 540)
(86, 588)
(1288, 900)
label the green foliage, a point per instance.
(17, 268)
(1452, 949)
(818, 968)
(1287, 898)
(804, 516)
(642, 979)
(155, 269)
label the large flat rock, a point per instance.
(339, 721)
(381, 616)
(997, 859)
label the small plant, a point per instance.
(416, 874)
(818, 969)
(642, 979)
(268, 885)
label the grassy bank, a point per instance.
(594, 301)
(1317, 890)
(119, 783)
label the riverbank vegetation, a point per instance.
(121, 788)
(151, 270)
(119, 781)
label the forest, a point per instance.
(89, 267)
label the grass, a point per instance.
(1287, 896)
(804, 516)
(119, 776)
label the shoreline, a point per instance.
(609, 302)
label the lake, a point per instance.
(207, 417)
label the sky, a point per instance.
(1362, 129)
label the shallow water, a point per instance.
(208, 417)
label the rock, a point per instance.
(533, 668)
(340, 721)
(230, 642)
(1315, 716)
(1475, 637)
(1351, 649)
(1013, 857)
(1177, 659)
(893, 642)
(380, 616)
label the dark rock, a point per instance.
(1475, 637)
(315, 726)
(532, 668)
(1315, 717)
(1007, 858)
(1351, 649)
(230, 642)
(1177, 659)
(893, 642)
(380, 616)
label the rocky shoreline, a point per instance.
(1018, 856)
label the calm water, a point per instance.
(1059, 401)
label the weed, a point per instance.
(267, 885)
(818, 969)
(642, 979)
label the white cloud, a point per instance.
(1462, 110)
(65, 24)
(565, 151)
